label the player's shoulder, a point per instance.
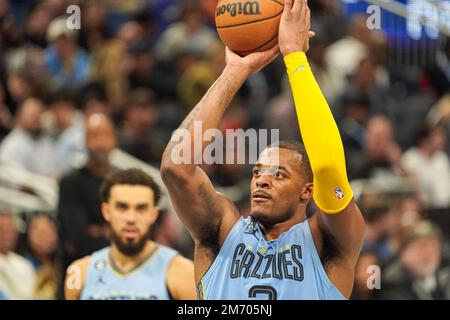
(180, 266)
(81, 263)
(75, 278)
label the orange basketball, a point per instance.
(247, 26)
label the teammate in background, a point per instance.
(276, 253)
(133, 267)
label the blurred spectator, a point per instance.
(362, 290)
(429, 163)
(356, 108)
(322, 72)
(188, 35)
(94, 31)
(27, 146)
(17, 277)
(376, 240)
(439, 73)
(83, 229)
(388, 228)
(66, 125)
(144, 71)
(364, 80)
(111, 63)
(37, 21)
(169, 231)
(328, 16)
(418, 274)
(198, 78)
(381, 155)
(344, 55)
(136, 135)
(42, 244)
(67, 64)
(19, 88)
(5, 115)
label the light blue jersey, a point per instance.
(249, 267)
(147, 281)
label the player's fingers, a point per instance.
(288, 5)
(311, 34)
(298, 6)
(308, 16)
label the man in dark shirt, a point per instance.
(83, 229)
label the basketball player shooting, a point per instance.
(276, 253)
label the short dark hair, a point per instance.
(298, 147)
(134, 177)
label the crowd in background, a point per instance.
(135, 69)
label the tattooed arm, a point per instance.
(205, 212)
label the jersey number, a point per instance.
(269, 291)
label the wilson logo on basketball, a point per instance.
(246, 8)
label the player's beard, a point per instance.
(130, 248)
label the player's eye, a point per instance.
(278, 174)
(121, 207)
(142, 208)
(256, 172)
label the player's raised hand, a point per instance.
(295, 27)
(254, 62)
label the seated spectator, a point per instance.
(67, 64)
(66, 125)
(20, 88)
(27, 146)
(189, 35)
(439, 73)
(356, 108)
(136, 135)
(197, 79)
(381, 156)
(5, 115)
(404, 215)
(376, 239)
(42, 243)
(83, 229)
(430, 165)
(417, 274)
(17, 277)
(111, 63)
(367, 264)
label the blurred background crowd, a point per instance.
(77, 104)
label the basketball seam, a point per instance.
(250, 22)
(278, 3)
(264, 44)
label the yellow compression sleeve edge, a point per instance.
(320, 134)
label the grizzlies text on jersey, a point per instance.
(249, 267)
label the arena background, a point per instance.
(146, 63)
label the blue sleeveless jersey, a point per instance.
(249, 267)
(146, 281)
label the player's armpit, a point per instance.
(180, 279)
(75, 278)
(348, 228)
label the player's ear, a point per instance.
(106, 212)
(307, 191)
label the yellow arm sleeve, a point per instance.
(320, 134)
